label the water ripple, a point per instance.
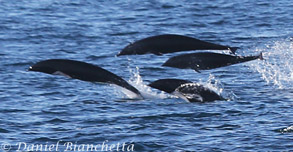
(38, 108)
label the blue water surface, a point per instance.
(42, 109)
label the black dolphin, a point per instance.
(82, 71)
(193, 92)
(170, 43)
(207, 60)
(168, 85)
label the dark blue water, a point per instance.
(43, 109)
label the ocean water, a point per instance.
(44, 110)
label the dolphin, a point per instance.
(170, 43)
(207, 60)
(82, 71)
(188, 90)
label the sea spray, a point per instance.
(146, 91)
(277, 68)
(216, 85)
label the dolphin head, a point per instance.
(175, 62)
(128, 50)
(42, 67)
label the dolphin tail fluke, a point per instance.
(261, 56)
(196, 70)
(157, 53)
(233, 49)
(119, 54)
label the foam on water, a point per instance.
(278, 65)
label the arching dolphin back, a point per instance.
(170, 43)
(206, 60)
(82, 71)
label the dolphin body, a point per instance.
(82, 71)
(207, 60)
(170, 43)
(187, 90)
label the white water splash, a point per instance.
(278, 65)
(214, 84)
(146, 91)
(124, 93)
(288, 129)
